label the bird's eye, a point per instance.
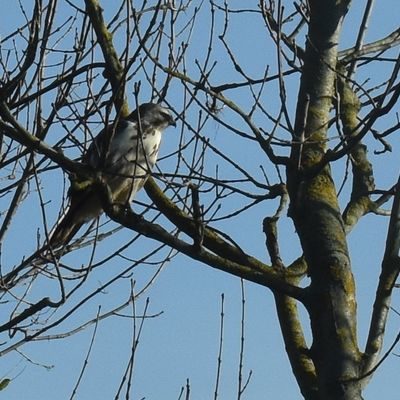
(166, 114)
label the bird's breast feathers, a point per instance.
(130, 150)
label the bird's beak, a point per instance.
(172, 122)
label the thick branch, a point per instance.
(245, 267)
(296, 346)
(114, 70)
(11, 128)
(387, 279)
(211, 239)
(363, 179)
(292, 331)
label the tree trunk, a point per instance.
(317, 217)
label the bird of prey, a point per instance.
(125, 154)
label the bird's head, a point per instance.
(154, 115)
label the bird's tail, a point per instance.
(64, 230)
(83, 207)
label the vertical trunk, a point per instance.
(317, 217)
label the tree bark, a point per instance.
(317, 217)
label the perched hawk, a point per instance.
(125, 164)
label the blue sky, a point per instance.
(182, 343)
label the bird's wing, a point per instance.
(83, 203)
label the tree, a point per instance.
(61, 76)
